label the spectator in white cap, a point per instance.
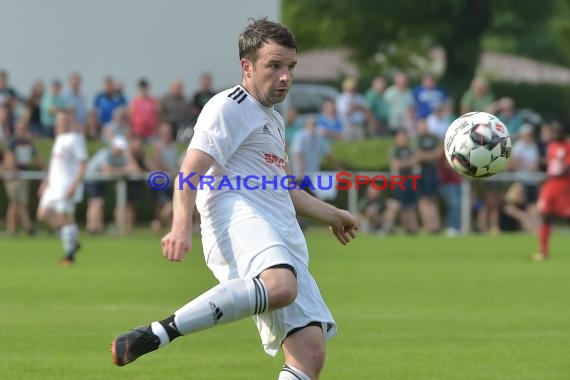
(112, 160)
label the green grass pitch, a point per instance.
(416, 308)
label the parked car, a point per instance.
(307, 98)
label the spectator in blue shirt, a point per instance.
(75, 99)
(108, 100)
(328, 123)
(428, 96)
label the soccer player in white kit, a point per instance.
(62, 187)
(251, 239)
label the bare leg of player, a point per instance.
(304, 354)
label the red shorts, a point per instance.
(554, 198)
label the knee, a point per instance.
(281, 287)
(283, 294)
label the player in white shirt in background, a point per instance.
(251, 239)
(62, 187)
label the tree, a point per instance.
(383, 35)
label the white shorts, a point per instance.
(60, 206)
(247, 248)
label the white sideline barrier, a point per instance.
(466, 187)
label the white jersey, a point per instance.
(68, 152)
(245, 138)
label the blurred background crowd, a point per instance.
(149, 133)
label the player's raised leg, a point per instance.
(304, 354)
(227, 302)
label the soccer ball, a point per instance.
(477, 145)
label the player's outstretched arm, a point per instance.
(342, 223)
(177, 242)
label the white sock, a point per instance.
(160, 332)
(227, 302)
(68, 236)
(291, 373)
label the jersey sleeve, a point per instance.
(80, 149)
(220, 130)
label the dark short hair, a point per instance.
(261, 31)
(143, 83)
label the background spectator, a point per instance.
(118, 126)
(52, 102)
(427, 96)
(403, 162)
(107, 100)
(516, 213)
(33, 103)
(5, 125)
(450, 191)
(352, 110)
(428, 152)
(478, 97)
(112, 160)
(20, 155)
(75, 100)
(525, 158)
(174, 108)
(376, 214)
(328, 124)
(201, 97)
(440, 119)
(144, 112)
(92, 128)
(545, 137)
(136, 162)
(378, 107)
(164, 159)
(505, 110)
(308, 150)
(293, 125)
(401, 104)
(8, 96)
(489, 211)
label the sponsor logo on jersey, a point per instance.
(275, 160)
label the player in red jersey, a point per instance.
(554, 198)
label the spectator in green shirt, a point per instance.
(378, 106)
(52, 102)
(478, 97)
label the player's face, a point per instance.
(269, 78)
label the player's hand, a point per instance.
(344, 227)
(71, 191)
(176, 244)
